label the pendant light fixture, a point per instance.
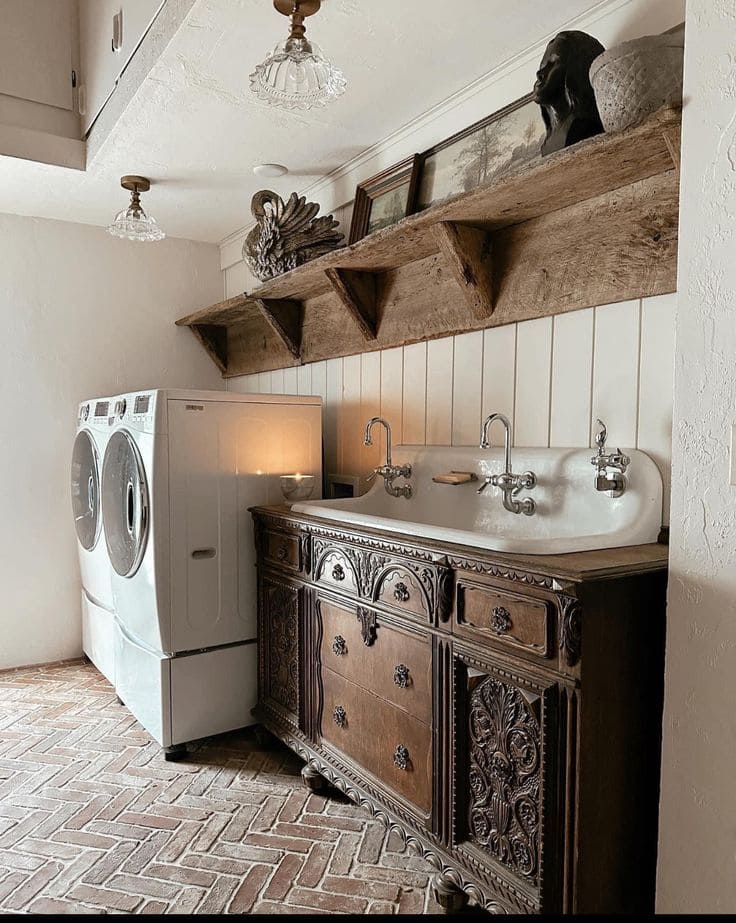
(296, 75)
(133, 223)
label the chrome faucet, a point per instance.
(509, 483)
(389, 472)
(610, 468)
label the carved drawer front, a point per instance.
(335, 570)
(282, 549)
(515, 621)
(399, 589)
(393, 664)
(392, 745)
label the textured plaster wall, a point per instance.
(82, 315)
(697, 855)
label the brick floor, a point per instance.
(94, 820)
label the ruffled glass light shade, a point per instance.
(296, 75)
(135, 224)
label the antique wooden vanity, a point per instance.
(502, 712)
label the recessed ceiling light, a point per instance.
(270, 169)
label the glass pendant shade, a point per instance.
(296, 75)
(132, 222)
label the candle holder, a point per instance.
(297, 487)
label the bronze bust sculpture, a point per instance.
(564, 91)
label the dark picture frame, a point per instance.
(384, 199)
(477, 154)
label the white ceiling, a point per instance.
(196, 130)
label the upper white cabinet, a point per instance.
(36, 50)
(109, 33)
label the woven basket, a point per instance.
(634, 79)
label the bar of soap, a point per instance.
(454, 477)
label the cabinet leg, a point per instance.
(312, 779)
(447, 894)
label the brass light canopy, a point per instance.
(296, 75)
(132, 222)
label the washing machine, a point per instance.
(94, 425)
(180, 471)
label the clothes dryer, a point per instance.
(181, 470)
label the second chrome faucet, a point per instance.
(510, 484)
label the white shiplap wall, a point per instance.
(552, 377)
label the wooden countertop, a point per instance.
(575, 567)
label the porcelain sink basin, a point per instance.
(571, 514)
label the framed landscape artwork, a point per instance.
(384, 199)
(480, 153)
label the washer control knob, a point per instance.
(121, 407)
(84, 415)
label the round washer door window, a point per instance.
(125, 504)
(86, 490)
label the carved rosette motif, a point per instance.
(283, 648)
(505, 768)
(571, 629)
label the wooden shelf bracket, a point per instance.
(468, 254)
(284, 316)
(357, 290)
(214, 340)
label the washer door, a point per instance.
(125, 504)
(86, 490)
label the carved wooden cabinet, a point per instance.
(503, 713)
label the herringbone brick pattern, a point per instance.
(92, 818)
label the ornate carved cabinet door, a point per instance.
(505, 782)
(279, 621)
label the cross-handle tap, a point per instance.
(509, 483)
(610, 468)
(388, 471)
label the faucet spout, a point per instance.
(485, 442)
(368, 440)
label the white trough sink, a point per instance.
(571, 514)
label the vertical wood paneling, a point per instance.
(350, 434)
(533, 359)
(440, 354)
(572, 371)
(264, 382)
(657, 366)
(319, 380)
(499, 370)
(277, 382)
(415, 393)
(370, 406)
(392, 372)
(616, 371)
(467, 382)
(331, 416)
(244, 384)
(304, 380)
(291, 385)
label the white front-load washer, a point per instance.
(94, 425)
(180, 471)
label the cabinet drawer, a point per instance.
(399, 589)
(392, 745)
(393, 664)
(336, 571)
(520, 622)
(282, 549)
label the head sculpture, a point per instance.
(564, 92)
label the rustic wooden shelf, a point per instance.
(593, 224)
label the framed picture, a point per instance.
(484, 151)
(384, 199)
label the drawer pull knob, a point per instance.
(339, 645)
(401, 593)
(339, 716)
(500, 620)
(401, 675)
(401, 757)
(283, 552)
(338, 573)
